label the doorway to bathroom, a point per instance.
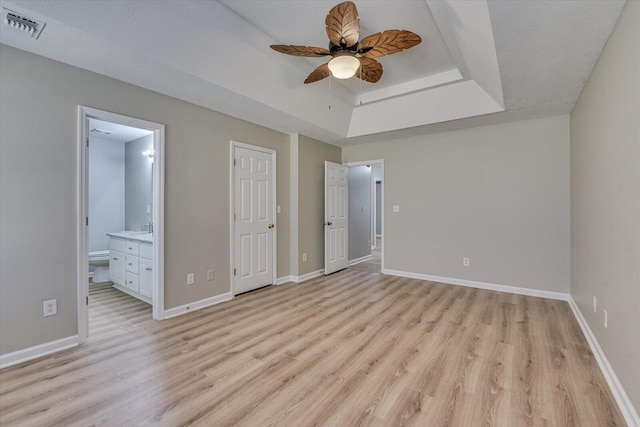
(120, 214)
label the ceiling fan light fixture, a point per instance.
(344, 66)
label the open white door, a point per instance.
(254, 196)
(336, 217)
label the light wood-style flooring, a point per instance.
(374, 264)
(354, 348)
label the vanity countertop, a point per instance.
(136, 236)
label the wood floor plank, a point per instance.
(353, 348)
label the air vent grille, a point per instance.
(16, 21)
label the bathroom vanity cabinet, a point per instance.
(131, 264)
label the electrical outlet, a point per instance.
(465, 262)
(304, 257)
(211, 275)
(191, 279)
(605, 320)
(595, 304)
(49, 308)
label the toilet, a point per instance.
(99, 266)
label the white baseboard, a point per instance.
(36, 351)
(283, 279)
(312, 275)
(624, 403)
(359, 260)
(188, 308)
(481, 285)
(298, 279)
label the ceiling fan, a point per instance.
(350, 57)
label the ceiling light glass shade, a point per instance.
(344, 67)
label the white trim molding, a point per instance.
(624, 403)
(82, 211)
(197, 305)
(30, 353)
(283, 279)
(298, 279)
(359, 260)
(481, 285)
(308, 276)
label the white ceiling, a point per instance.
(480, 61)
(114, 131)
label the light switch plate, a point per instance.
(396, 208)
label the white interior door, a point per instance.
(336, 217)
(254, 219)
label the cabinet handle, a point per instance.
(115, 258)
(130, 248)
(130, 264)
(149, 269)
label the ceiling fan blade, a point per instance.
(318, 74)
(387, 42)
(370, 70)
(300, 50)
(343, 26)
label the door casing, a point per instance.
(82, 211)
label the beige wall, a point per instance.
(498, 195)
(311, 157)
(605, 200)
(38, 102)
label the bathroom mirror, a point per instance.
(139, 184)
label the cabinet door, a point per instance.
(146, 277)
(132, 281)
(117, 267)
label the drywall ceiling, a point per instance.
(480, 61)
(115, 132)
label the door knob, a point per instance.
(328, 223)
(271, 225)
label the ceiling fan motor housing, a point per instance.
(336, 49)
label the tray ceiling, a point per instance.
(480, 62)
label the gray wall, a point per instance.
(605, 200)
(138, 192)
(106, 191)
(38, 190)
(311, 157)
(359, 212)
(498, 195)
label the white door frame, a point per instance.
(381, 163)
(82, 211)
(232, 203)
